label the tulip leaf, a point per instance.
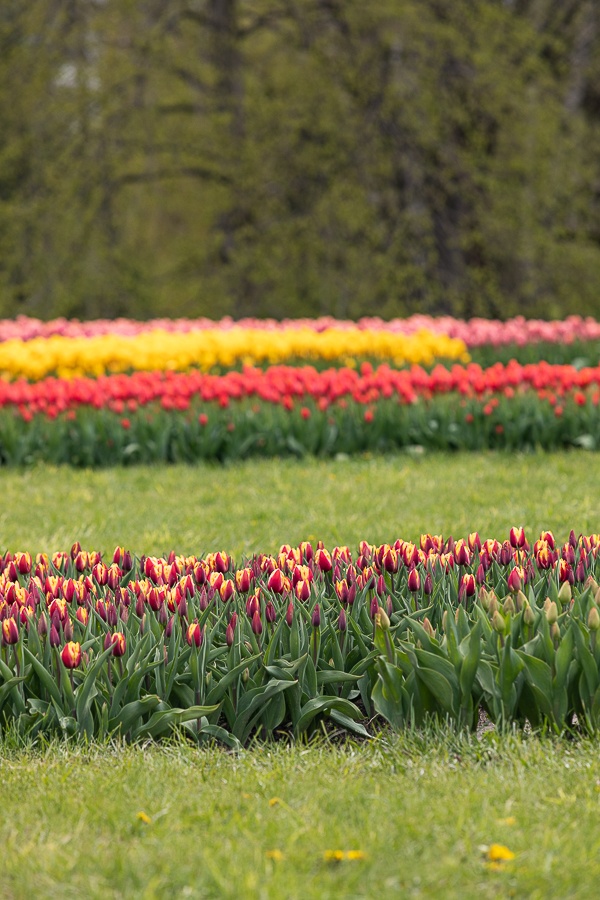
(131, 712)
(166, 719)
(252, 701)
(319, 705)
(46, 679)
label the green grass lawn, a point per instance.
(422, 811)
(420, 808)
(257, 506)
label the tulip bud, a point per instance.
(484, 598)
(229, 635)
(374, 607)
(565, 594)
(257, 623)
(514, 581)
(289, 615)
(42, 626)
(508, 606)
(246, 675)
(68, 630)
(316, 616)
(168, 627)
(428, 585)
(342, 621)
(382, 619)
(555, 633)
(593, 619)
(270, 614)
(528, 615)
(71, 655)
(520, 600)
(498, 623)
(54, 636)
(428, 627)
(552, 613)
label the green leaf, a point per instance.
(319, 705)
(131, 712)
(164, 720)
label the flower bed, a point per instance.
(441, 628)
(296, 410)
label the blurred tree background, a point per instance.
(299, 157)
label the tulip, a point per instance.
(323, 560)
(316, 616)
(257, 623)
(270, 614)
(514, 581)
(71, 655)
(119, 644)
(517, 538)
(276, 581)
(342, 621)
(414, 581)
(289, 615)
(194, 635)
(10, 631)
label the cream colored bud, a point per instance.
(508, 607)
(565, 594)
(498, 623)
(552, 613)
(593, 619)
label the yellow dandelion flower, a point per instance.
(143, 817)
(499, 853)
(277, 855)
(275, 801)
(356, 854)
(333, 856)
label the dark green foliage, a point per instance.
(278, 158)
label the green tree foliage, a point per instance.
(299, 157)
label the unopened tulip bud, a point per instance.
(374, 607)
(514, 581)
(508, 606)
(168, 627)
(68, 630)
(428, 585)
(257, 623)
(498, 623)
(520, 600)
(289, 615)
(246, 675)
(552, 613)
(316, 616)
(593, 619)
(382, 619)
(270, 614)
(42, 626)
(428, 627)
(484, 598)
(565, 594)
(342, 621)
(54, 636)
(71, 655)
(528, 615)
(555, 633)
(590, 582)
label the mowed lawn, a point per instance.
(412, 815)
(258, 505)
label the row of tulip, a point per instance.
(473, 332)
(207, 350)
(443, 628)
(154, 417)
